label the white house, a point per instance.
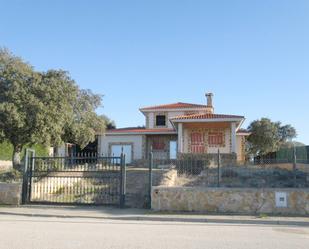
(177, 128)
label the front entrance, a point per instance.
(173, 149)
(75, 180)
(163, 147)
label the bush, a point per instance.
(225, 158)
(191, 166)
(229, 173)
(6, 150)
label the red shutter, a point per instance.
(197, 142)
(215, 138)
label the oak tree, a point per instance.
(44, 107)
(267, 136)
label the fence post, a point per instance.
(150, 177)
(30, 176)
(25, 180)
(71, 158)
(294, 165)
(26, 185)
(218, 169)
(123, 180)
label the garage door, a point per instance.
(127, 150)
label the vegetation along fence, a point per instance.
(222, 171)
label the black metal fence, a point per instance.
(75, 180)
(99, 180)
(195, 171)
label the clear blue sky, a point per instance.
(253, 55)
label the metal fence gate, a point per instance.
(74, 180)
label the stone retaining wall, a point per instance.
(137, 184)
(231, 200)
(10, 193)
(5, 165)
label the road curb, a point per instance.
(168, 219)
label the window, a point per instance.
(215, 138)
(173, 149)
(197, 142)
(160, 120)
(158, 144)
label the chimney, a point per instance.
(209, 99)
(209, 108)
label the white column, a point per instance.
(180, 139)
(233, 137)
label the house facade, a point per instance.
(178, 128)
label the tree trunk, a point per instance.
(17, 156)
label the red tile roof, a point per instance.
(178, 105)
(141, 130)
(205, 116)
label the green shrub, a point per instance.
(6, 150)
(40, 150)
(229, 173)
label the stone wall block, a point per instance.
(10, 193)
(229, 200)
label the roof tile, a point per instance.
(141, 130)
(205, 116)
(178, 105)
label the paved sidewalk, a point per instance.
(113, 213)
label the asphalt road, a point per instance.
(18, 232)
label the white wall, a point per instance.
(151, 120)
(135, 139)
(50, 151)
(61, 151)
(170, 114)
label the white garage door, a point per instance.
(127, 150)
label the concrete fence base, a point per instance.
(285, 201)
(5, 165)
(10, 193)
